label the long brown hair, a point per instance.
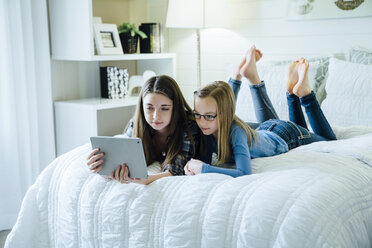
(181, 115)
(223, 95)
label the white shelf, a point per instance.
(102, 103)
(136, 56)
(78, 120)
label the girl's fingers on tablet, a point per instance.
(95, 158)
(97, 169)
(90, 161)
(96, 164)
(126, 177)
(117, 173)
(93, 152)
(122, 171)
(98, 156)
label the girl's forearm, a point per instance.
(157, 176)
(231, 172)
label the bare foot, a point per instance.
(292, 76)
(258, 55)
(249, 69)
(302, 87)
(237, 75)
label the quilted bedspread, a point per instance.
(318, 195)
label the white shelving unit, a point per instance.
(136, 56)
(72, 37)
(78, 120)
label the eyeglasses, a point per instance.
(206, 117)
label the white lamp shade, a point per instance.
(185, 14)
(198, 14)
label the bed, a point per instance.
(318, 195)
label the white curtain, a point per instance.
(27, 143)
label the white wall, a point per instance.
(263, 23)
(259, 22)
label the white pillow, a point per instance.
(350, 131)
(274, 77)
(349, 94)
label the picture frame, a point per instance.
(327, 9)
(97, 19)
(107, 39)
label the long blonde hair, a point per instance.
(181, 114)
(223, 95)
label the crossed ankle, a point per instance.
(254, 80)
(310, 95)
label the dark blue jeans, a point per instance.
(295, 131)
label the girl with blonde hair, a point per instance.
(227, 139)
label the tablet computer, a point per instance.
(120, 150)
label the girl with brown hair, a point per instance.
(164, 122)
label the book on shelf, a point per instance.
(153, 42)
(114, 82)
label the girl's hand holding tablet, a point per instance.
(121, 174)
(95, 160)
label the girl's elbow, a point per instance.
(244, 172)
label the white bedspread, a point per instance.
(319, 195)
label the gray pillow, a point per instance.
(361, 56)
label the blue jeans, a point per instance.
(263, 107)
(295, 131)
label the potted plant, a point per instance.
(129, 37)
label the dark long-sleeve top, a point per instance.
(188, 149)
